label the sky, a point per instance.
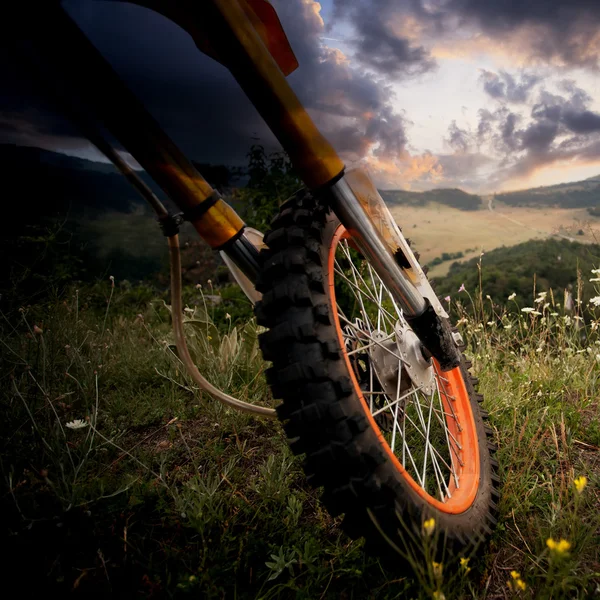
(487, 95)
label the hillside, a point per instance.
(577, 194)
(455, 198)
(508, 270)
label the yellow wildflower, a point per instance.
(429, 526)
(560, 547)
(517, 583)
(464, 563)
(580, 483)
(437, 569)
(438, 595)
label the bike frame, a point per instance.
(240, 34)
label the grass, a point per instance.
(165, 493)
(445, 229)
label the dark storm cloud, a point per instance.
(379, 40)
(569, 111)
(539, 136)
(203, 109)
(378, 47)
(351, 106)
(504, 86)
(561, 31)
(29, 117)
(583, 122)
(193, 97)
(564, 31)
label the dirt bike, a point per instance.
(375, 391)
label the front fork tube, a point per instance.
(363, 213)
(350, 211)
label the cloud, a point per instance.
(561, 32)
(458, 139)
(504, 86)
(385, 37)
(559, 128)
(416, 171)
(539, 136)
(583, 122)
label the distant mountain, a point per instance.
(453, 197)
(46, 184)
(577, 194)
(66, 217)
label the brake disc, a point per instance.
(419, 369)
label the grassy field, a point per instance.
(120, 479)
(441, 229)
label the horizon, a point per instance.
(94, 155)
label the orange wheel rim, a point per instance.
(454, 416)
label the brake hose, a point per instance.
(182, 348)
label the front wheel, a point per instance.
(391, 438)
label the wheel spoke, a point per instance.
(376, 342)
(372, 290)
(420, 427)
(390, 405)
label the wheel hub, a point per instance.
(384, 355)
(419, 369)
(385, 364)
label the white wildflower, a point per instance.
(595, 300)
(530, 311)
(595, 279)
(596, 271)
(77, 424)
(512, 296)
